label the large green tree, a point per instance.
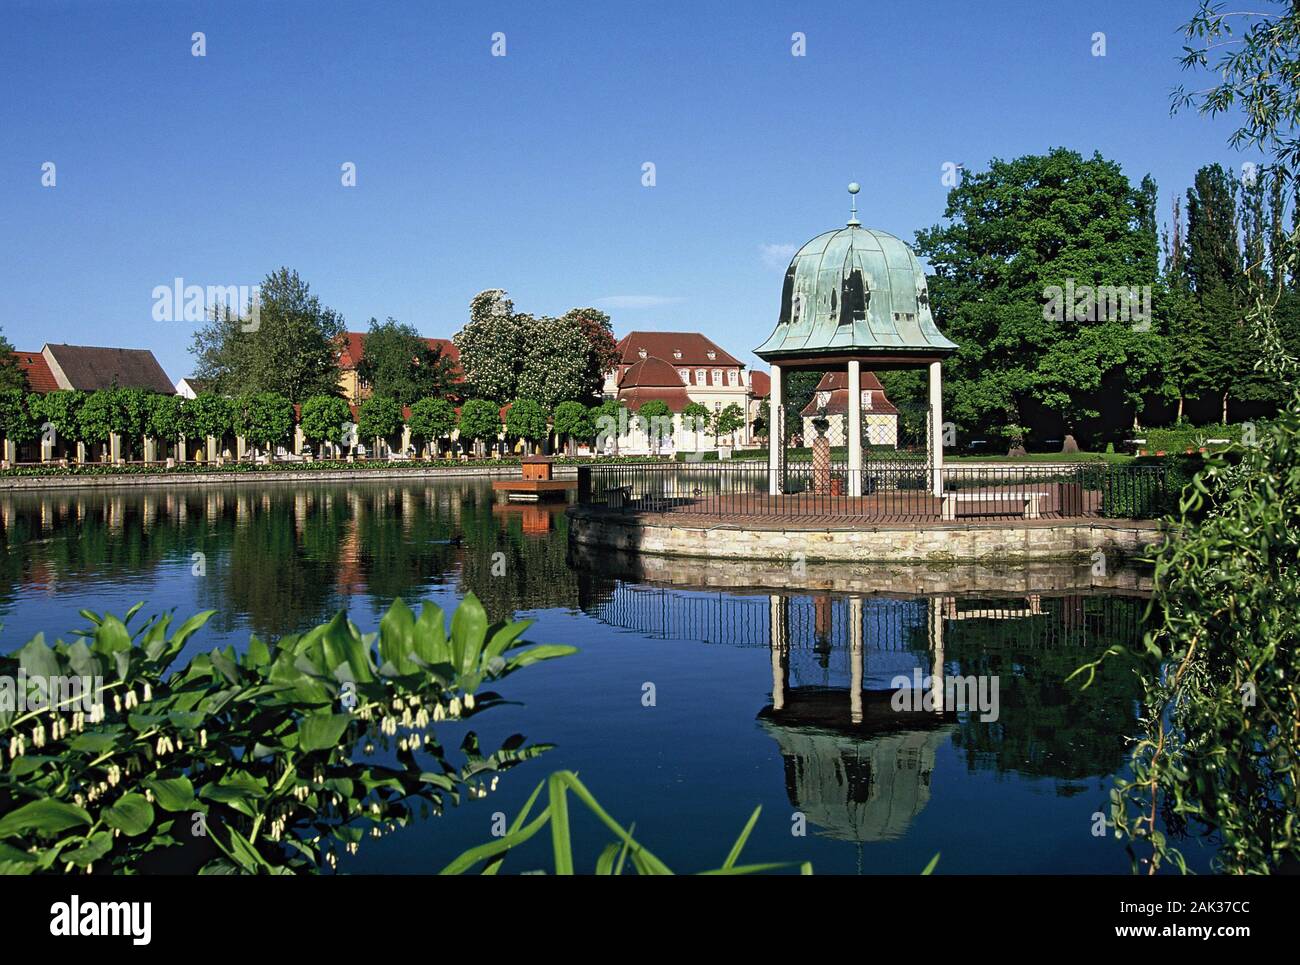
(491, 346)
(1030, 269)
(290, 346)
(557, 362)
(398, 363)
(507, 355)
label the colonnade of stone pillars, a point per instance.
(776, 430)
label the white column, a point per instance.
(856, 662)
(775, 422)
(936, 426)
(855, 428)
(778, 612)
(936, 651)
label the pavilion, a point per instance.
(854, 296)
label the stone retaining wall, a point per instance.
(1009, 540)
(29, 483)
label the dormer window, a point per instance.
(642, 353)
(686, 375)
(712, 355)
(677, 353)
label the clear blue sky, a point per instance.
(523, 172)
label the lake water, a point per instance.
(677, 712)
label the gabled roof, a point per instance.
(760, 384)
(693, 346)
(88, 367)
(834, 386)
(37, 370)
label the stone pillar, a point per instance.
(406, 437)
(181, 455)
(299, 440)
(775, 437)
(241, 447)
(212, 448)
(114, 447)
(150, 449)
(855, 428)
(81, 453)
(10, 452)
(936, 428)
(47, 446)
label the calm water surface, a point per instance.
(734, 722)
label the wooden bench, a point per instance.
(1031, 502)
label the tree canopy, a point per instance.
(290, 347)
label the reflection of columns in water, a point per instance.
(937, 607)
(46, 521)
(408, 508)
(855, 659)
(148, 511)
(299, 512)
(778, 608)
(117, 509)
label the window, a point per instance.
(699, 376)
(717, 376)
(866, 398)
(685, 374)
(733, 377)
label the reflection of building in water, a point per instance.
(854, 764)
(855, 789)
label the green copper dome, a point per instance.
(855, 291)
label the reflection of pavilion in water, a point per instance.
(859, 769)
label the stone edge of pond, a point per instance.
(109, 480)
(1006, 542)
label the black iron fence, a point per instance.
(894, 491)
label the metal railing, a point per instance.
(893, 492)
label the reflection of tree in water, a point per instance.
(533, 571)
(1047, 727)
(280, 558)
(75, 537)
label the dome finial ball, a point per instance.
(854, 187)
